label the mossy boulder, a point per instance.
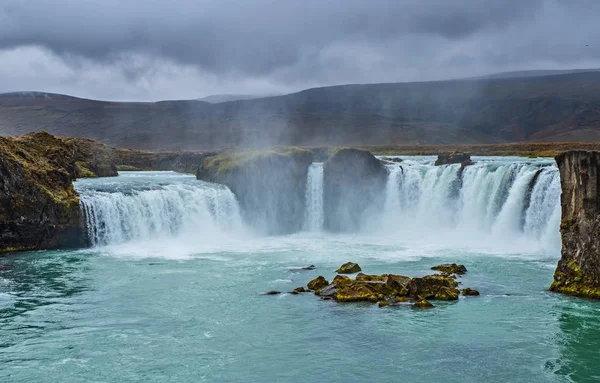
(370, 277)
(341, 280)
(318, 283)
(353, 189)
(298, 290)
(450, 268)
(467, 292)
(423, 304)
(357, 292)
(269, 185)
(434, 287)
(348, 268)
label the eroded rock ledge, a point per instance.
(269, 185)
(578, 271)
(353, 185)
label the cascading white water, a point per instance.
(495, 199)
(314, 216)
(123, 213)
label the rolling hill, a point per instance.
(543, 108)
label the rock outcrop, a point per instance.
(454, 158)
(182, 162)
(578, 271)
(391, 289)
(348, 268)
(39, 208)
(92, 158)
(353, 186)
(269, 185)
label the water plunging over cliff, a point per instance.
(498, 198)
(500, 203)
(314, 218)
(139, 206)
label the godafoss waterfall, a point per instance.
(172, 285)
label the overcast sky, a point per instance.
(181, 49)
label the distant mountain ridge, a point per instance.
(217, 98)
(556, 107)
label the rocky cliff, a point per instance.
(269, 185)
(353, 185)
(38, 206)
(183, 162)
(578, 271)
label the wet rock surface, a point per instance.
(450, 268)
(348, 268)
(578, 271)
(390, 289)
(269, 185)
(353, 186)
(39, 208)
(454, 158)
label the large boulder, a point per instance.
(454, 158)
(348, 268)
(353, 187)
(438, 287)
(578, 271)
(450, 268)
(39, 208)
(269, 185)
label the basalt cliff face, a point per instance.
(269, 185)
(578, 271)
(353, 184)
(39, 208)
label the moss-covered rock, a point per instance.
(423, 304)
(467, 292)
(434, 287)
(353, 187)
(318, 283)
(578, 271)
(341, 280)
(450, 268)
(298, 290)
(370, 277)
(269, 185)
(348, 268)
(92, 158)
(178, 161)
(357, 292)
(39, 208)
(383, 304)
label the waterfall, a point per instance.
(160, 210)
(496, 198)
(314, 217)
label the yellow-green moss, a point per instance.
(128, 168)
(83, 171)
(226, 163)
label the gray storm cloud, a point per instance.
(269, 46)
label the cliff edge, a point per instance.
(578, 271)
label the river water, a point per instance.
(171, 289)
